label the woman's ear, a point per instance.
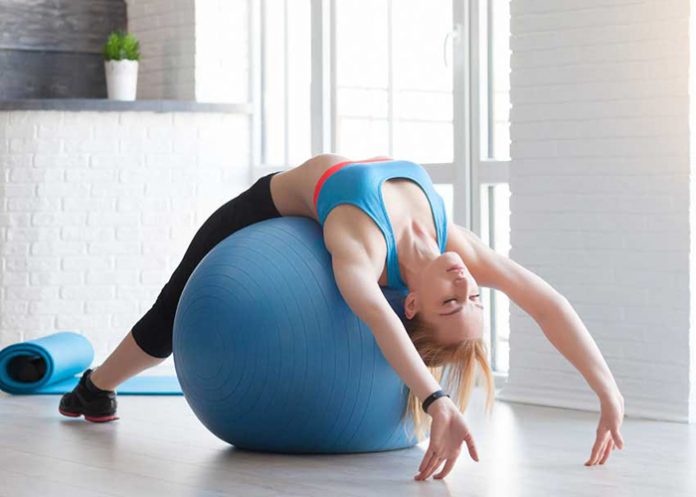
(410, 305)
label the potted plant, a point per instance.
(121, 55)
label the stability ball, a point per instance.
(271, 358)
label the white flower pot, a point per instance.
(121, 79)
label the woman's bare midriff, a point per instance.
(292, 190)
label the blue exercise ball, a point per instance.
(271, 358)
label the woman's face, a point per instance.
(448, 298)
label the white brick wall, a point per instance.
(191, 49)
(600, 195)
(97, 209)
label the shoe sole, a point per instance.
(93, 419)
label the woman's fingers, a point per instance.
(471, 446)
(429, 468)
(618, 439)
(445, 450)
(446, 470)
(607, 451)
(600, 452)
(426, 460)
(433, 467)
(596, 449)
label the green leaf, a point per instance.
(121, 46)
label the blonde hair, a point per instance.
(458, 360)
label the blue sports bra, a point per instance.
(360, 183)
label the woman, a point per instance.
(372, 210)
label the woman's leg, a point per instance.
(127, 360)
(150, 341)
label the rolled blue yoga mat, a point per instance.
(53, 364)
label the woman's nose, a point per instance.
(461, 281)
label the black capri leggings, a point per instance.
(153, 332)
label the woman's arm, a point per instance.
(359, 288)
(559, 322)
(552, 311)
(357, 282)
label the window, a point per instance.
(374, 98)
(283, 81)
(393, 85)
(393, 88)
(356, 78)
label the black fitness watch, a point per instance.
(432, 398)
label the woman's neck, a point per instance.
(416, 249)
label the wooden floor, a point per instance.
(159, 448)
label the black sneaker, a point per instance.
(97, 406)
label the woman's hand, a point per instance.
(608, 435)
(447, 432)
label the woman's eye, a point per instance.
(476, 296)
(449, 300)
